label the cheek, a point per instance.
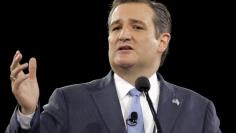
(148, 46)
(111, 42)
(146, 43)
(110, 48)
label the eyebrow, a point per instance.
(137, 21)
(115, 22)
(131, 21)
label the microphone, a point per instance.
(143, 85)
(132, 121)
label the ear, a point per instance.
(164, 42)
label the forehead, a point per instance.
(136, 11)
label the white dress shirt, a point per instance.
(24, 120)
(123, 87)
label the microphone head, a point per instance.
(142, 84)
(132, 121)
(134, 116)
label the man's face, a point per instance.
(132, 38)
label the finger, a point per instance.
(16, 60)
(18, 81)
(13, 60)
(32, 68)
(15, 72)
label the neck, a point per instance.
(130, 75)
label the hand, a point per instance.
(24, 85)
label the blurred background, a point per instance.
(69, 41)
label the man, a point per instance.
(139, 34)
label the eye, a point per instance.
(137, 27)
(116, 28)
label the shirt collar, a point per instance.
(123, 87)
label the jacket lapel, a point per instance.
(108, 104)
(169, 105)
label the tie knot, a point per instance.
(134, 92)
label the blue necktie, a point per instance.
(137, 126)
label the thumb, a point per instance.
(32, 68)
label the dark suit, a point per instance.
(94, 108)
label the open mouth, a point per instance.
(125, 48)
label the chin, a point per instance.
(124, 63)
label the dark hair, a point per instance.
(161, 18)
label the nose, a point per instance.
(125, 35)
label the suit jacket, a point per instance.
(94, 108)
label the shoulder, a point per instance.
(189, 94)
(181, 92)
(191, 101)
(203, 107)
(77, 91)
(81, 87)
(84, 89)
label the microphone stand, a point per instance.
(157, 124)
